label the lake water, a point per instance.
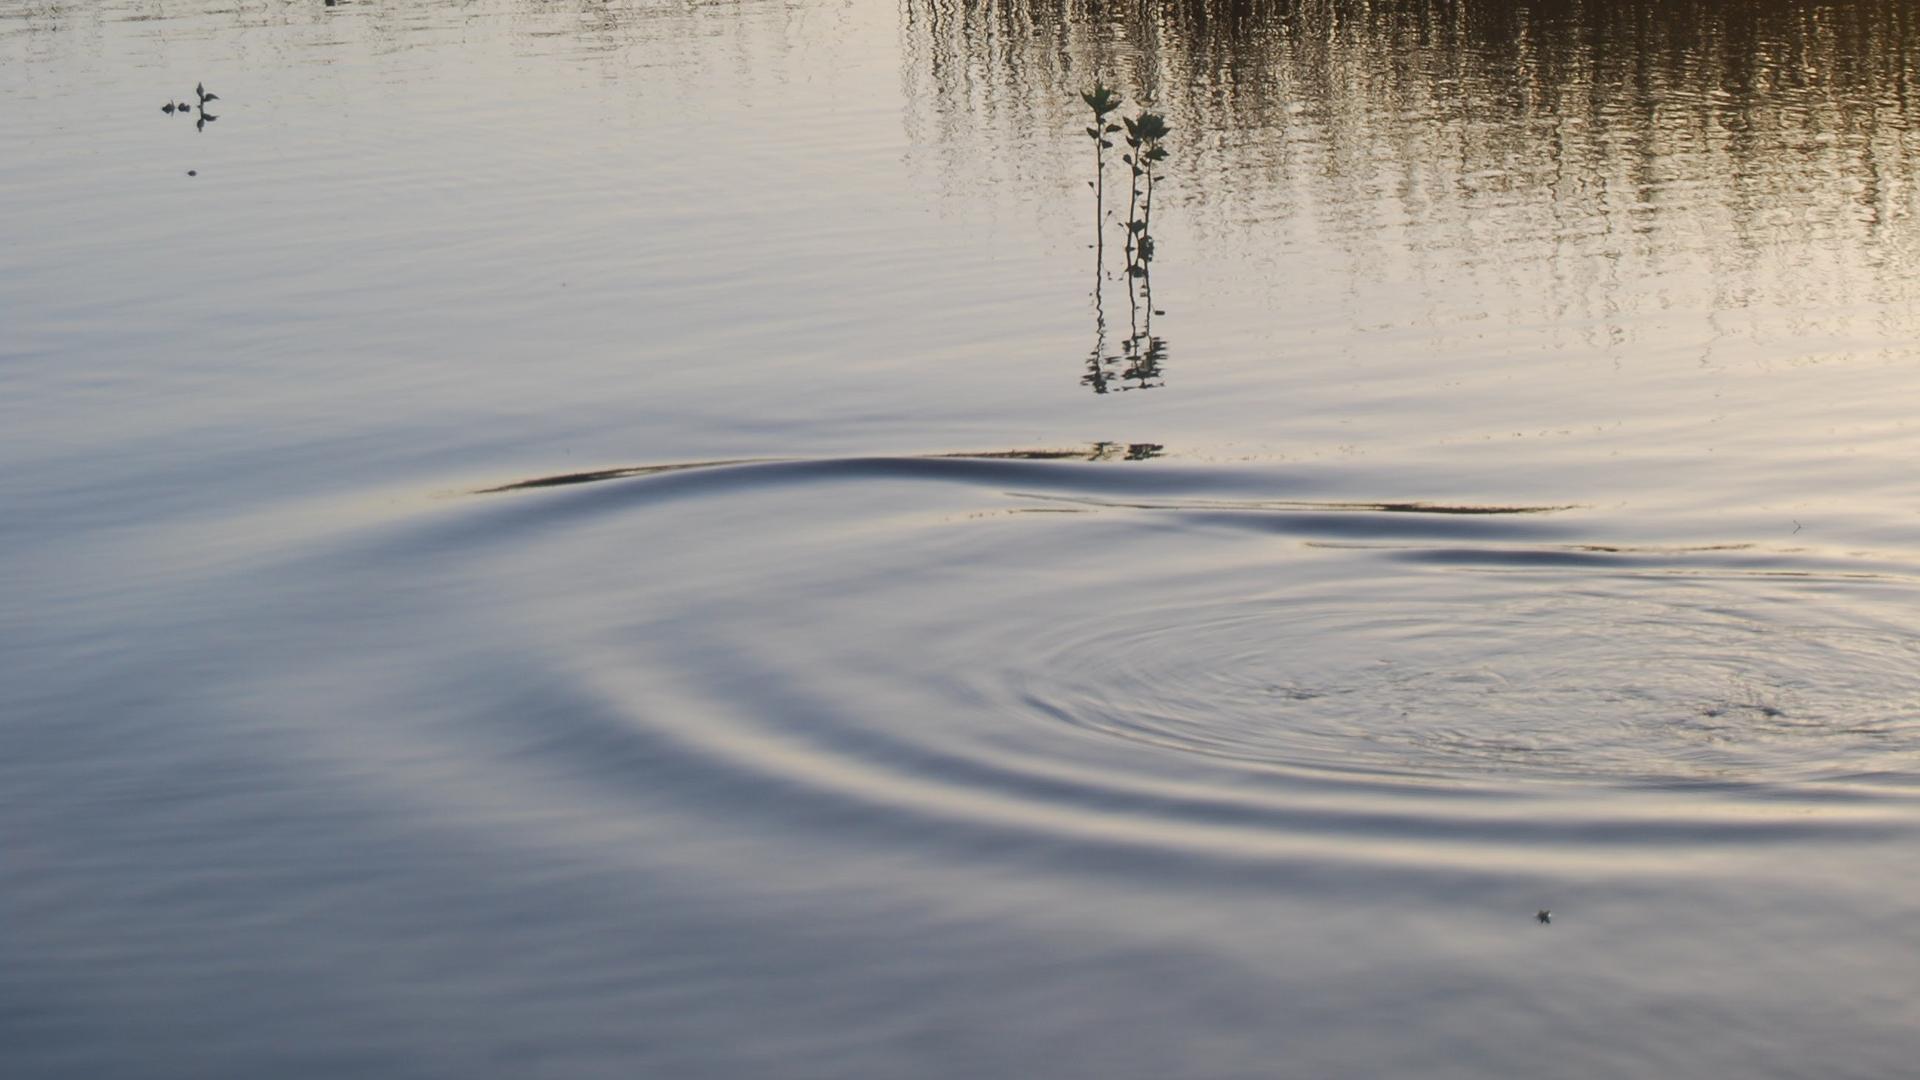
(610, 538)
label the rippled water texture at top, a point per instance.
(607, 538)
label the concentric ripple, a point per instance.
(1631, 678)
(915, 648)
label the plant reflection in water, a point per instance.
(1139, 363)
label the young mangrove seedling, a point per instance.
(1144, 135)
(1103, 100)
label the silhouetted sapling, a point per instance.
(1144, 133)
(1145, 353)
(182, 109)
(1103, 100)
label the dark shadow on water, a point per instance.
(1221, 508)
(1061, 480)
(1100, 451)
(598, 475)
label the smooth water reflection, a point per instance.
(616, 537)
(1730, 185)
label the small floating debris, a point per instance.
(193, 172)
(1099, 451)
(1543, 916)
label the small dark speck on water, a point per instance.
(191, 172)
(1544, 916)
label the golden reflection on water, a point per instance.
(1602, 158)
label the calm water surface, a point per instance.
(608, 538)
